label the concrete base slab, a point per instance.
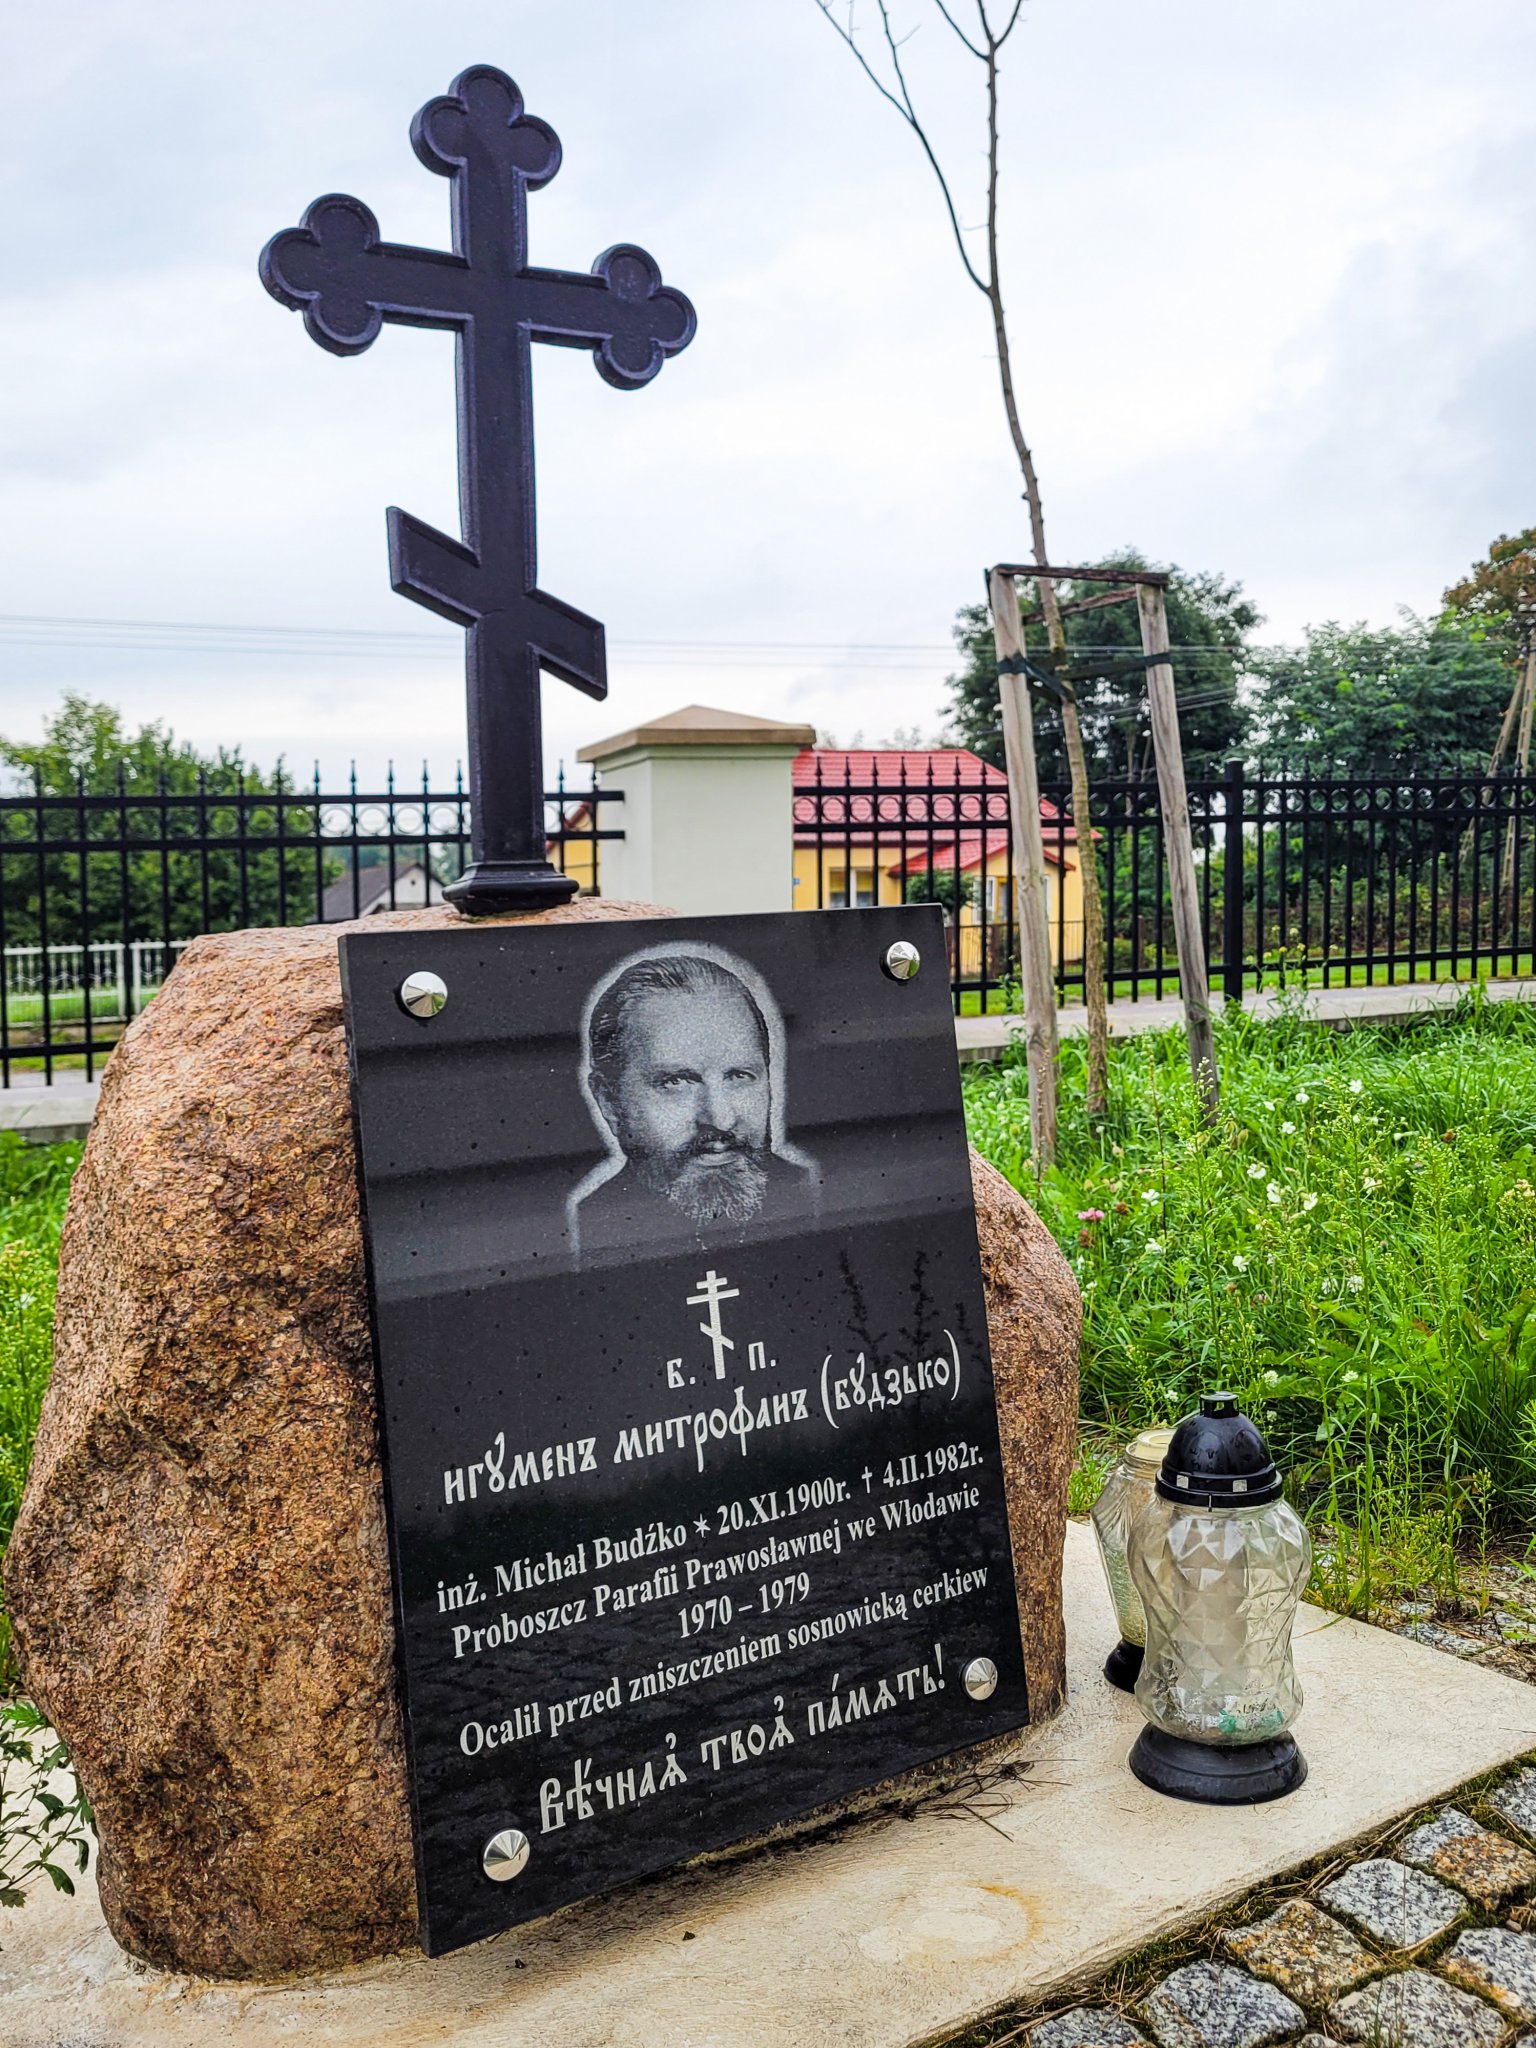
(889, 1933)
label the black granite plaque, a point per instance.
(695, 1502)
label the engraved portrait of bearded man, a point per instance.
(684, 1059)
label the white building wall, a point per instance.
(708, 830)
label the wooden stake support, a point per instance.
(1178, 845)
(1040, 1043)
(1148, 586)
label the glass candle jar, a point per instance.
(1219, 1561)
(1126, 1492)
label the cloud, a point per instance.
(1272, 318)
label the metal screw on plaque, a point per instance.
(504, 1855)
(423, 994)
(980, 1678)
(902, 961)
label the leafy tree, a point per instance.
(1209, 621)
(946, 887)
(152, 783)
(1499, 593)
(1424, 697)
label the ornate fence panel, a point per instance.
(1302, 882)
(101, 890)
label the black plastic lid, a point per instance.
(1217, 1459)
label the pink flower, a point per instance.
(1090, 1215)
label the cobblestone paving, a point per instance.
(1430, 1943)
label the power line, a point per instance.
(168, 636)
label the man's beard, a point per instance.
(712, 1180)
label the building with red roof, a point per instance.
(877, 825)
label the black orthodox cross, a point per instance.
(347, 282)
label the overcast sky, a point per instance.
(1270, 271)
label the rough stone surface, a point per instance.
(1415, 2010)
(1395, 1905)
(1484, 1865)
(1091, 2026)
(1035, 1326)
(198, 1576)
(1317, 2041)
(1303, 1950)
(1516, 1801)
(1211, 2005)
(1499, 1964)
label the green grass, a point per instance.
(1351, 1247)
(34, 1182)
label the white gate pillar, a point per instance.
(708, 811)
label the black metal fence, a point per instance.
(100, 890)
(1326, 883)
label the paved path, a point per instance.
(47, 1113)
(983, 1038)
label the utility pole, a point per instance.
(1040, 1040)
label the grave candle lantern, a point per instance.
(1220, 1561)
(1126, 1492)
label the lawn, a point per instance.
(1351, 1247)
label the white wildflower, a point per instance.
(1287, 1130)
(1356, 1085)
(1271, 1379)
(1354, 1283)
(1274, 1192)
(1153, 1247)
(1350, 1378)
(1325, 1287)
(1255, 1172)
(1309, 1202)
(1151, 1195)
(1370, 1184)
(1240, 1261)
(1303, 1097)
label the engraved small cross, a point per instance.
(713, 1289)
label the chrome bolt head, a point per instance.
(504, 1855)
(902, 961)
(980, 1678)
(422, 994)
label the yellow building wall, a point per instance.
(579, 859)
(875, 885)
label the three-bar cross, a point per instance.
(347, 282)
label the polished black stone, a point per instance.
(695, 1504)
